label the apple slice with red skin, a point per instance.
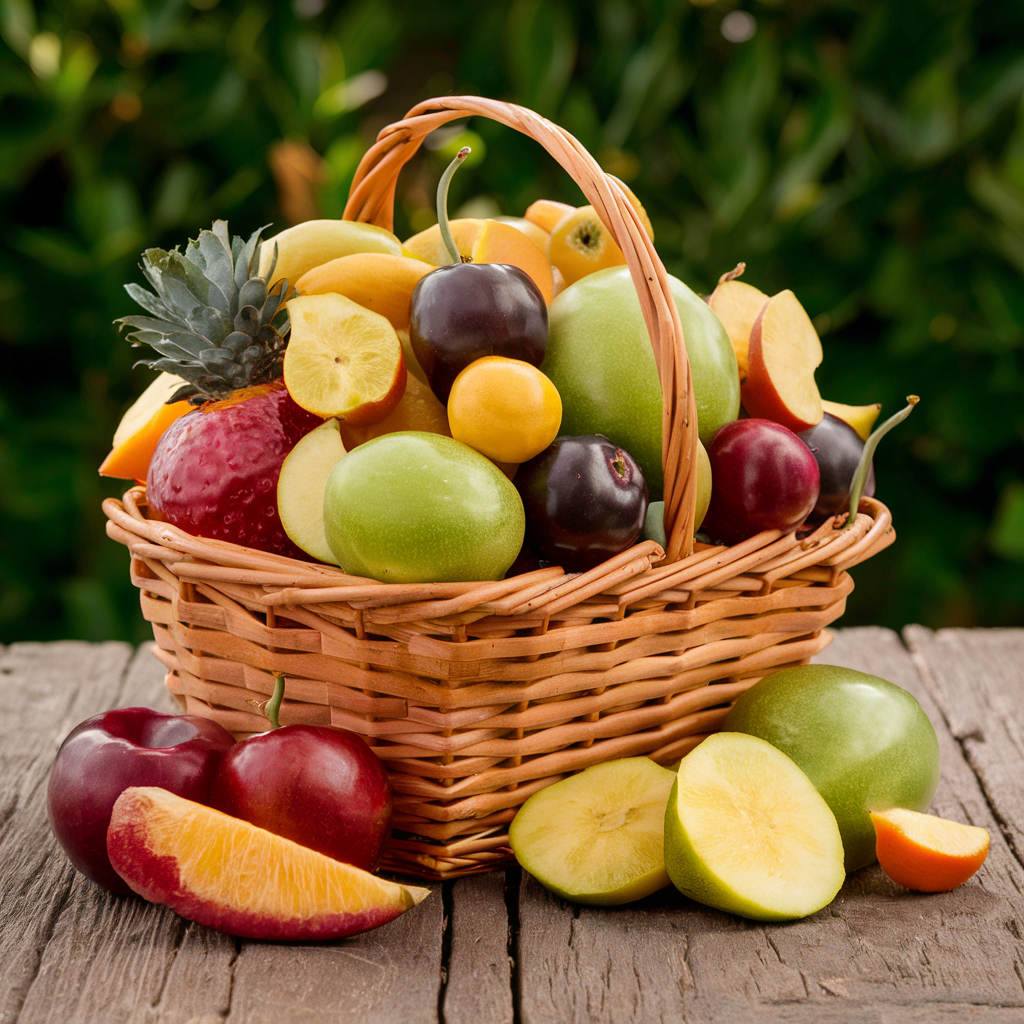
(783, 354)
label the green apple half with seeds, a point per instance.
(597, 837)
(747, 832)
(301, 486)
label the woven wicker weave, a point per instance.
(476, 695)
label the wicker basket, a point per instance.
(476, 695)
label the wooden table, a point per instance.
(498, 948)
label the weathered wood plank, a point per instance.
(977, 679)
(478, 989)
(45, 689)
(98, 957)
(877, 953)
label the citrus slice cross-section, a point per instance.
(226, 874)
(925, 852)
(746, 832)
(597, 837)
(342, 359)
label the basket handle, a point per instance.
(372, 199)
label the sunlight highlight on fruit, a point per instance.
(226, 874)
(925, 852)
(342, 360)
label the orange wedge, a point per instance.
(377, 280)
(226, 874)
(141, 427)
(342, 359)
(927, 853)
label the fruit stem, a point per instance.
(860, 477)
(274, 704)
(442, 204)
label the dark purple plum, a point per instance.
(465, 311)
(763, 477)
(106, 754)
(585, 500)
(837, 448)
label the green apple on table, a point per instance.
(599, 356)
(414, 507)
(864, 743)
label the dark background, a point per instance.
(868, 155)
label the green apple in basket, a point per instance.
(599, 356)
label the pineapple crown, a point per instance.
(214, 322)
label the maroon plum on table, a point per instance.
(106, 754)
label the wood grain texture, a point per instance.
(877, 953)
(478, 988)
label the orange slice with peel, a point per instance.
(342, 359)
(141, 427)
(226, 874)
(379, 281)
(925, 852)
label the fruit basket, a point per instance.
(476, 695)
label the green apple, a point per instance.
(413, 507)
(865, 744)
(746, 832)
(599, 356)
(654, 523)
(597, 837)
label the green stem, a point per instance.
(442, 204)
(860, 478)
(274, 704)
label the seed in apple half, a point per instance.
(301, 486)
(342, 359)
(224, 873)
(597, 837)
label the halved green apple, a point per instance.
(746, 832)
(597, 837)
(301, 486)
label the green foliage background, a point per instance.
(868, 154)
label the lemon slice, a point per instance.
(745, 831)
(597, 837)
(342, 359)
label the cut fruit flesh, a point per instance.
(301, 486)
(224, 873)
(378, 281)
(418, 409)
(927, 853)
(737, 304)
(784, 352)
(141, 427)
(580, 245)
(746, 832)
(546, 213)
(343, 360)
(597, 837)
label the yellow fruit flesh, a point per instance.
(750, 833)
(580, 245)
(950, 837)
(231, 863)
(737, 305)
(598, 837)
(340, 356)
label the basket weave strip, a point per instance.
(477, 695)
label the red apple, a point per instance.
(322, 788)
(106, 754)
(763, 477)
(783, 354)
